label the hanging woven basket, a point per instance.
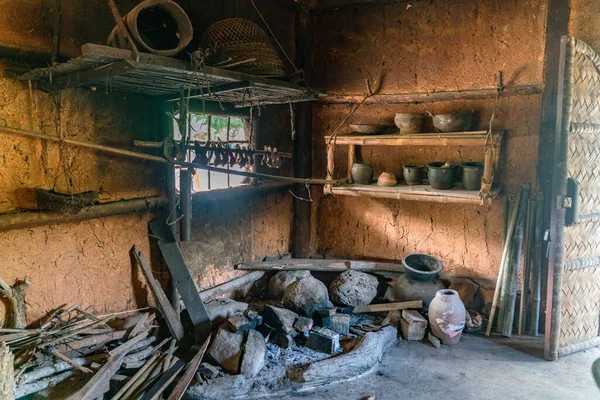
(240, 45)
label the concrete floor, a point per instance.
(477, 368)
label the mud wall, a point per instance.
(89, 261)
(424, 46)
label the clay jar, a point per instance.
(362, 173)
(447, 316)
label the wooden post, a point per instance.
(529, 229)
(536, 276)
(303, 143)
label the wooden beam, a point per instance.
(335, 5)
(423, 97)
(230, 286)
(296, 264)
(227, 87)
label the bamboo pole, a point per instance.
(32, 219)
(529, 229)
(536, 279)
(509, 232)
(507, 308)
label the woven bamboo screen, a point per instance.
(579, 299)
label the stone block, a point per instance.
(323, 340)
(281, 319)
(303, 324)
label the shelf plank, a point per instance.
(115, 69)
(475, 138)
(417, 192)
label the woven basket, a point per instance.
(49, 200)
(236, 40)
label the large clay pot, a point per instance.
(447, 316)
(406, 289)
(362, 173)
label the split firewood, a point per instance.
(187, 377)
(17, 308)
(7, 383)
(42, 384)
(46, 371)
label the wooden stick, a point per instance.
(7, 383)
(509, 233)
(172, 319)
(351, 157)
(139, 326)
(66, 359)
(125, 347)
(135, 377)
(185, 380)
(403, 305)
(529, 229)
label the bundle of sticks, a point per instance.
(121, 353)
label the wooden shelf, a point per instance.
(110, 69)
(491, 149)
(476, 138)
(418, 192)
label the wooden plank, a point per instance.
(416, 192)
(165, 380)
(296, 264)
(422, 97)
(403, 305)
(184, 382)
(171, 318)
(181, 277)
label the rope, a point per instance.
(486, 186)
(273, 36)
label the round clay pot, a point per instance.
(422, 267)
(453, 122)
(406, 289)
(471, 175)
(409, 123)
(387, 179)
(442, 175)
(447, 316)
(413, 174)
(362, 173)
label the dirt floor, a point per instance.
(476, 368)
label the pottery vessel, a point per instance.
(454, 122)
(442, 175)
(368, 129)
(413, 174)
(447, 316)
(387, 179)
(471, 175)
(422, 267)
(406, 289)
(409, 123)
(362, 173)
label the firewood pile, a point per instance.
(120, 354)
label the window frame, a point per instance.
(249, 143)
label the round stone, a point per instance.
(305, 296)
(353, 288)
